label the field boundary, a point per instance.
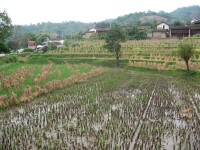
(135, 136)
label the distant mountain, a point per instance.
(181, 14)
(139, 18)
(58, 29)
(186, 13)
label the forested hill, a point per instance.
(139, 18)
(60, 29)
(186, 13)
(183, 15)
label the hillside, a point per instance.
(139, 18)
(152, 17)
(182, 14)
(59, 29)
(142, 18)
(186, 13)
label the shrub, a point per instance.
(186, 51)
(4, 48)
(28, 50)
(8, 59)
(13, 58)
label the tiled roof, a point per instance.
(31, 43)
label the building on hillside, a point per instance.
(94, 32)
(32, 44)
(163, 26)
(57, 42)
(185, 31)
(161, 32)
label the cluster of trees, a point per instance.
(134, 33)
(18, 40)
(59, 30)
(185, 14)
(5, 31)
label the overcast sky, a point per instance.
(37, 11)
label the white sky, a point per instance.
(37, 11)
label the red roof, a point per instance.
(31, 43)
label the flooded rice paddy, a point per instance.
(144, 113)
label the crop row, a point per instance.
(145, 112)
(136, 51)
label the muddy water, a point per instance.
(112, 120)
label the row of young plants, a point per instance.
(171, 121)
(119, 110)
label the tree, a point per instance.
(114, 37)
(40, 38)
(102, 25)
(15, 40)
(31, 36)
(67, 43)
(79, 36)
(4, 48)
(134, 33)
(177, 23)
(186, 50)
(52, 46)
(5, 30)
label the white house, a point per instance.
(93, 30)
(163, 26)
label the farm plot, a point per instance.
(156, 54)
(24, 82)
(142, 112)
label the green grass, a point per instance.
(194, 75)
(65, 69)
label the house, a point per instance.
(94, 32)
(161, 32)
(163, 26)
(184, 31)
(32, 44)
(57, 42)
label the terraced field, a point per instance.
(156, 54)
(120, 109)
